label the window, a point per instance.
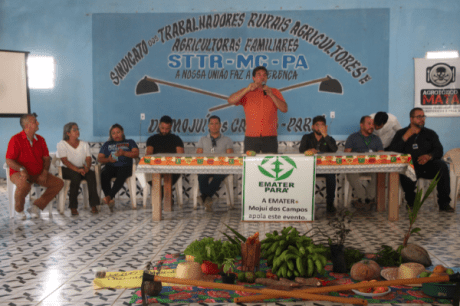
(441, 54)
(41, 72)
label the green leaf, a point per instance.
(236, 233)
(230, 238)
(266, 159)
(289, 160)
(415, 230)
(433, 184)
(265, 172)
(286, 175)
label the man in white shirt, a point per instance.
(385, 126)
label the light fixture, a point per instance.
(41, 72)
(441, 54)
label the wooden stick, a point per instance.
(438, 279)
(270, 292)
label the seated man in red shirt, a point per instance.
(29, 162)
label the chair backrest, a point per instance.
(454, 155)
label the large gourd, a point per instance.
(365, 270)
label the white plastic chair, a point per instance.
(147, 188)
(228, 181)
(131, 181)
(11, 188)
(348, 189)
(65, 190)
(452, 157)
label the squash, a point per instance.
(365, 270)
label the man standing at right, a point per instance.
(261, 104)
(320, 141)
(426, 150)
(361, 142)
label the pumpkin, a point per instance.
(365, 270)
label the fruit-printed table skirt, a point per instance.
(234, 160)
(191, 294)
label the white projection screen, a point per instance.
(14, 91)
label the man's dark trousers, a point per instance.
(428, 171)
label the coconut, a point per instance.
(415, 253)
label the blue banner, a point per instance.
(187, 65)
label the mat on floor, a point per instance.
(190, 294)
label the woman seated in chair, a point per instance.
(76, 163)
(117, 154)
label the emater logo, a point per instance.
(280, 165)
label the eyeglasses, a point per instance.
(419, 117)
(214, 143)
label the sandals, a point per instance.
(74, 212)
(94, 210)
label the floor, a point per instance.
(48, 261)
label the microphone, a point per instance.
(263, 84)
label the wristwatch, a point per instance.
(22, 168)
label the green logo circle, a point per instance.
(275, 167)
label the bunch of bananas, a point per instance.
(291, 255)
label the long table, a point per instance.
(330, 163)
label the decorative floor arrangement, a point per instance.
(49, 261)
(173, 294)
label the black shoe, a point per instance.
(330, 208)
(447, 209)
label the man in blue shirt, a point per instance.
(363, 141)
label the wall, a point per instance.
(63, 29)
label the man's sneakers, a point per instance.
(34, 212)
(21, 215)
(330, 208)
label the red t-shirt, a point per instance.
(30, 157)
(261, 113)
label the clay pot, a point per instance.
(228, 278)
(338, 258)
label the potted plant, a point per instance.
(229, 266)
(413, 252)
(336, 242)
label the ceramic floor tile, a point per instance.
(48, 261)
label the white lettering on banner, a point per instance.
(186, 50)
(200, 125)
(289, 175)
(216, 61)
